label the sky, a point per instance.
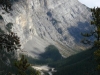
(91, 3)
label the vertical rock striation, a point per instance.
(40, 23)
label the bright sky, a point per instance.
(91, 3)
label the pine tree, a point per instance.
(9, 42)
(97, 54)
(6, 5)
(22, 65)
(96, 33)
(96, 22)
(24, 68)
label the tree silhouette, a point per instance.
(22, 65)
(6, 5)
(9, 42)
(95, 33)
(24, 68)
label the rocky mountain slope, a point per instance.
(40, 23)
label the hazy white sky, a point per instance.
(91, 3)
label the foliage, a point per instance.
(32, 71)
(82, 63)
(6, 5)
(9, 42)
(97, 55)
(96, 33)
(24, 67)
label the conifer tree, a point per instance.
(95, 33)
(24, 68)
(6, 5)
(96, 22)
(22, 65)
(9, 42)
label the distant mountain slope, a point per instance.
(40, 23)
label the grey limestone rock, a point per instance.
(40, 23)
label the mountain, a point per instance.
(40, 23)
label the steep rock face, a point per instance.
(40, 23)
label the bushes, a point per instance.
(6, 5)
